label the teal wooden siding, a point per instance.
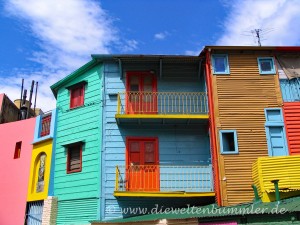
(78, 211)
(79, 124)
(178, 144)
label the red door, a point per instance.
(142, 170)
(141, 93)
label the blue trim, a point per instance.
(38, 128)
(53, 131)
(271, 61)
(235, 142)
(279, 123)
(225, 56)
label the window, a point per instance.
(266, 65)
(77, 94)
(220, 64)
(46, 123)
(228, 142)
(74, 158)
(18, 150)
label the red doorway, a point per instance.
(141, 93)
(142, 164)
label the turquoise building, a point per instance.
(78, 145)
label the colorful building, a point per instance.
(253, 121)
(78, 145)
(155, 148)
(16, 149)
(40, 187)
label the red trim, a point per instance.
(72, 90)
(130, 138)
(141, 86)
(286, 129)
(213, 138)
(288, 48)
(68, 159)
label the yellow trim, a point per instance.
(119, 104)
(163, 194)
(161, 116)
(42, 147)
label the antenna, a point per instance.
(258, 36)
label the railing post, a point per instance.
(119, 104)
(117, 179)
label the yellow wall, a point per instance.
(284, 168)
(38, 149)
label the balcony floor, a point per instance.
(176, 194)
(161, 118)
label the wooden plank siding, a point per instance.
(292, 123)
(78, 193)
(239, 102)
(178, 144)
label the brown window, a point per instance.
(74, 158)
(18, 150)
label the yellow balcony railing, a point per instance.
(164, 178)
(162, 103)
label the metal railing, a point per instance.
(164, 178)
(135, 102)
(46, 124)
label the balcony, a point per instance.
(285, 169)
(159, 106)
(164, 181)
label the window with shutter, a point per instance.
(74, 158)
(77, 96)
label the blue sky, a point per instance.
(46, 40)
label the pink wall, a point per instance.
(14, 173)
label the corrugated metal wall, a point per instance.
(239, 102)
(284, 168)
(292, 124)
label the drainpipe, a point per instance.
(212, 129)
(256, 196)
(277, 194)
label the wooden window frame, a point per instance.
(131, 138)
(272, 63)
(80, 85)
(69, 149)
(227, 70)
(235, 139)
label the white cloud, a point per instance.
(67, 33)
(279, 21)
(161, 35)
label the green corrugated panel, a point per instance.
(287, 205)
(79, 211)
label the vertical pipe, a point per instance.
(22, 86)
(212, 129)
(30, 97)
(36, 88)
(256, 196)
(277, 194)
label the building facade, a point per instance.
(16, 148)
(155, 149)
(78, 145)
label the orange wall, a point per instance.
(14, 173)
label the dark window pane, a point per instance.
(220, 65)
